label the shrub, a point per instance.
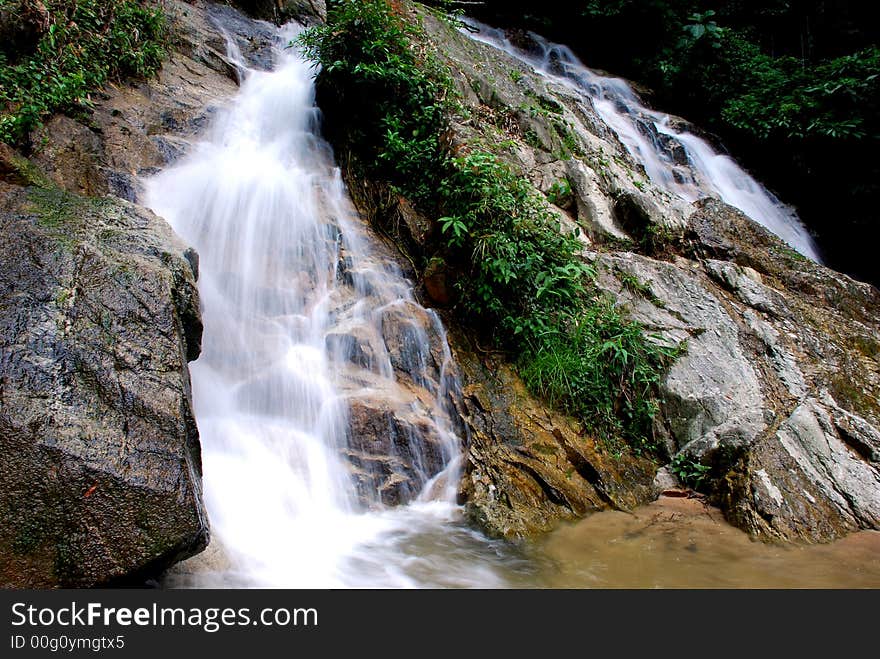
(601, 368)
(88, 43)
(382, 90)
(689, 471)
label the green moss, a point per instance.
(27, 172)
(789, 253)
(532, 139)
(866, 346)
(62, 297)
(30, 534)
(569, 141)
(852, 397)
(547, 105)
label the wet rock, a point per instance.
(802, 482)
(254, 39)
(16, 170)
(138, 127)
(776, 392)
(393, 450)
(412, 225)
(72, 155)
(305, 11)
(436, 280)
(353, 345)
(527, 467)
(99, 451)
(413, 343)
(665, 481)
(308, 12)
(123, 185)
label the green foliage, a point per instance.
(689, 471)
(523, 272)
(830, 100)
(522, 279)
(88, 43)
(701, 26)
(560, 192)
(771, 97)
(790, 87)
(602, 368)
(390, 89)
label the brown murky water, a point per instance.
(671, 543)
(681, 543)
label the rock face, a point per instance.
(22, 24)
(99, 452)
(777, 393)
(529, 467)
(778, 390)
(139, 127)
(280, 11)
(805, 466)
(393, 367)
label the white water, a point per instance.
(653, 142)
(263, 205)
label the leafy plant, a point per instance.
(523, 271)
(689, 471)
(701, 26)
(87, 43)
(560, 192)
(601, 368)
(382, 90)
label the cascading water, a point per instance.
(312, 339)
(674, 159)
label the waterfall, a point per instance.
(322, 391)
(674, 158)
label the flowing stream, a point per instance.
(323, 388)
(674, 158)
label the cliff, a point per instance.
(772, 409)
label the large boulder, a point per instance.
(777, 393)
(528, 467)
(99, 453)
(392, 365)
(101, 464)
